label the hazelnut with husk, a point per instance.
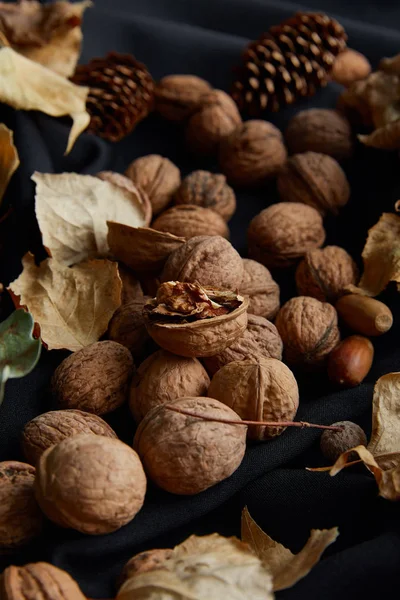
(334, 443)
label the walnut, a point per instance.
(20, 517)
(282, 233)
(52, 427)
(260, 389)
(38, 581)
(208, 260)
(94, 379)
(90, 483)
(189, 320)
(320, 130)
(324, 274)
(190, 221)
(178, 96)
(158, 177)
(127, 184)
(208, 190)
(308, 329)
(186, 455)
(216, 117)
(131, 288)
(315, 179)
(127, 328)
(163, 377)
(262, 290)
(261, 338)
(253, 153)
(350, 66)
(145, 561)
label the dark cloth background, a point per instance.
(206, 38)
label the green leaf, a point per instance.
(19, 351)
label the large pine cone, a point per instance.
(290, 61)
(121, 94)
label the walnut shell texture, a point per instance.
(325, 273)
(261, 338)
(186, 455)
(127, 184)
(284, 232)
(178, 96)
(158, 177)
(254, 153)
(127, 327)
(90, 483)
(94, 379)
(262, 389)
(163, 377)
(262, 289)
(350, 66)
(209, 260)
(20, 516)
(315, 179)
(320, 130)
(208, 190)
(52, 427)
(308, 329)
(187, 220)
(38, 581)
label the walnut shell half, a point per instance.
(38, 581)
(188, 220)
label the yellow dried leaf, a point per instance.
(26, 85)
(286, 568)
(384, 138)
(72, 211)
(384, 461)
(72, 306)
(9, 160)
(385, 436)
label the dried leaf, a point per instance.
(19, 352)
(203, 568)
(71, 305)
(26, 85)
(384, 461)
(9, 160)
(390, 65)
(49, 34)
(72, 211)
(384, 138)
(385, 436)
(286, 568)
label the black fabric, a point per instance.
(205, 38)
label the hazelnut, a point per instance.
(38, 581)
(324, 274)
(186, 455)
(216, 117)
(52, 427)
(282, 233)
(90, 483)
(261, 338)
(350, 66)
(158, 177)
(208, 260)
(190, 221)
(350, 362)
(320, 130)
(252, 154)
(138, 193)
(208, 190)
(20, 517)
(262, 389)
(131, 288)
(334, 443)
(308, 329)
(144, 562)
(189, 320)
(163, 377)
(178, 96)
(263, 291)
(364, 315)
(314, 179)
(127, 327)
(94, 379)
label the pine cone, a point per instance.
(121, 94)
(290, 61)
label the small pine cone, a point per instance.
(290, 61)
(121, 94)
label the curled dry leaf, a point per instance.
(286, 568)
(9, 160)
(202, 568)
(49, 34)
(384, 138)
(385, 436)
(26, 85)
(72, 306)
(72, 211)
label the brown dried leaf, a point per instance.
(49, 34)
(385, 436)
(72, 211)
(9, 159)
(71, 305)
(26, 85)
(384, 138)
(286, 568)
